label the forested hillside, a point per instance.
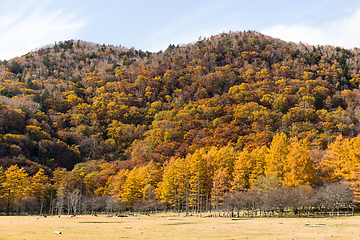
(187, 126)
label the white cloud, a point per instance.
(35, 25)
(343, 32)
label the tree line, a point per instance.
(285, 176)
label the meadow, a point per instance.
(169, 226)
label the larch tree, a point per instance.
(224, 158)
(60, 179)
(248, 166)
(342, 160)
(16, 186)
(259, 157)
(132, 188)
(166, 187)
(175, 183)
(38, 185)
(276, 157)
(150, 175)
(221, 185)
(118, 184)
(299, 168)
(198, 179)
(244, 167)
(2, 181)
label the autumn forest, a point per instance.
(236, 121)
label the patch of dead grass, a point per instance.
(167, 226)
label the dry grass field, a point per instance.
(173, 227)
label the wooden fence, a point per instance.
(261, 214)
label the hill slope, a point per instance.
(76, 101)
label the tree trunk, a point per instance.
(41, 203)
(187, 198)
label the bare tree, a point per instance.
(87, 146)
(86, 204)
(301, 199)
(74, 198)
(334, 196)
(98, 204)
(119, 206)
(60, 200)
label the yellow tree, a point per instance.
(354, 150)
(244, 166)
(172, 189)
(276, 157)
(150, 176)
(221, 185)
(132, 188)
(38, 186)
(16, 186)
(224, 158)
(151, 173)
(199, 180)
(355, 187)
(107, 189)
(60, 179)
(249, 166)
(220, 165)
(2, 181)
(351, 162)
(342, 160)
(299, 168)
(259, 157)
(119, 181)
(166, 187)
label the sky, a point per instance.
(26, 25)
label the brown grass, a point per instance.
(168, 226)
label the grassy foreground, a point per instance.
(173, 227)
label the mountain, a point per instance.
(77, 101)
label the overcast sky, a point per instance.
(153, 25)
